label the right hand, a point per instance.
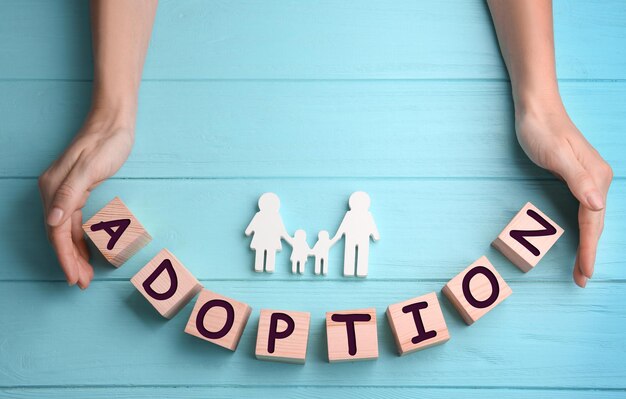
(552, 141)
(97, 152)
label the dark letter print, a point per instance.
(121, 225)
(166, 265)
(495, 287)
(422, 334)
(519, 235)
(274, 334)
(350, 319)
(228, 324)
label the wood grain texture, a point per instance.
(308, 129)
(311, 40)
(304, 393)
(417, 323)
(406, 100)
(219, 323)
(486, 288)
(547, 335)
(129, 238)
(171, 287)
(202, 222)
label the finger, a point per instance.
(78, 235)
(69, 196)
(61, 239)
(590, 224)
(579, 278)
(85, 273)
(580, 182)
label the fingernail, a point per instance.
(584, 282)
(595, 200)
(55, 216)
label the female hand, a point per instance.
(552, 141)
(98, 151)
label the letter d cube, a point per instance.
(166, 284)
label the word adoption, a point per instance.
(416, 323)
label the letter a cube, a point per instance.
(476, 290)
(527, 238)
(417, 323)
(218, 319)
(116, 232)
(166, 284)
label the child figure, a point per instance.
(320, 251)
(300, 252)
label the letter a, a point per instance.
(121, 224)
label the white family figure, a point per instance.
(320, 252)
(299, 252)
(357, 226)
(268, 229)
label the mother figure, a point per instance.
(268, 229)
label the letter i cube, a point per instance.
(417, 323)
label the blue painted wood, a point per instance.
(544, 335)
(430, 229)
(304, 393)
(361, 128)
(235, 91)
(310, 40)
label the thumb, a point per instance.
(580, 183)
(69, 196)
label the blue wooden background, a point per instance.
(313, 100)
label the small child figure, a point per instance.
(320, 251)
(299, 252)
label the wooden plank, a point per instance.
(311, 40)
(546, 335)
(203, 222)
(186, 392)
(361, 128)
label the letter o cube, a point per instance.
(218, 319)
(166, 284)
(476, 290)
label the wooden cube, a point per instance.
(283, 336)
(477, 290)
(527, 238)
(166, 283)
(116, 232)
(218, 319)
(352, 335)
(417, 323)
